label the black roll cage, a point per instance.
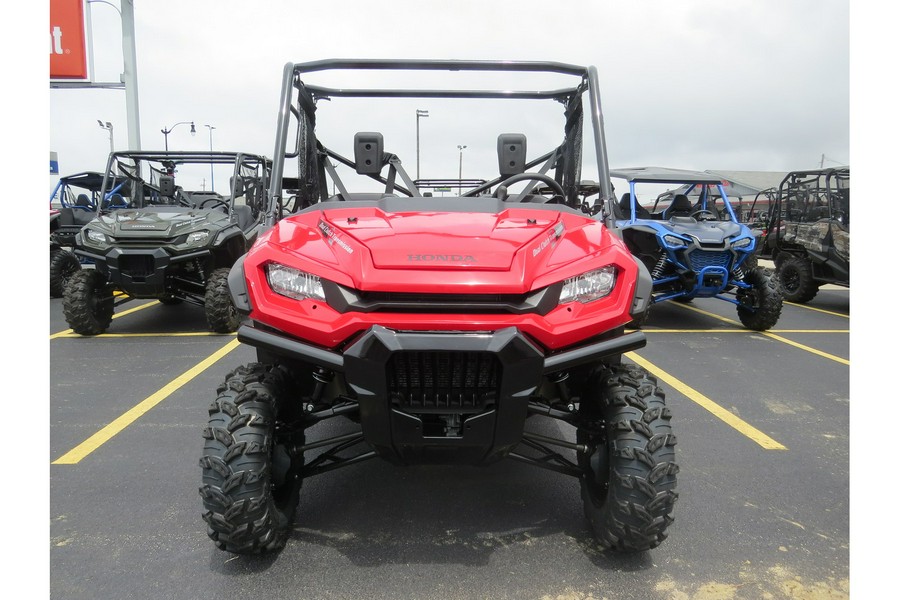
(126, 166)
(299, 99)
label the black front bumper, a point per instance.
(441, 397)
(146, 273)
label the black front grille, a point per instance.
(136, 265)
(449, 303)
(700, 259)
(444, 382)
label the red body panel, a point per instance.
(513, 252)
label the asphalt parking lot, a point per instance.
(762, 421)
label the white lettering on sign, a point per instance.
(56, 41)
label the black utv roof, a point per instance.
(664, 175)
(88, 180)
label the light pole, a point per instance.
(460, 168)
(108, 126)
(419, 115)
(212, 181)
(166, 132)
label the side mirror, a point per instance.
(166, 185)
(511, 153)
(368, 152)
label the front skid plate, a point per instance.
(401, 433)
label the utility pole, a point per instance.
(212, 180)
(460, 168)
(108, 126)
(419, 115)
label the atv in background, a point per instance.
(171, 244)
(694, 249)
(439, 326)
(73, 204)
(808, 233)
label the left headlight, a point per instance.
(590, 286)
(294, 283)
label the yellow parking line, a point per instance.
(821, 310)
(71, 334)
(837, 359)
(728, 417)
(115, 316)
(78, 453)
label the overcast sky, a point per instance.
(737, 85)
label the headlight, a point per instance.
(294, 283)
(197, 238)
(589, 287)
(95, 238)
(742, 243)
(675, 241)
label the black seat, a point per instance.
(244, 216)
(625, 207)
(83, 200)
(680, 207)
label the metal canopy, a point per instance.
(664, 175)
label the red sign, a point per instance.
(68, 54)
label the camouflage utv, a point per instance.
(808, 234)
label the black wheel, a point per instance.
(221, 315)
(760, 306)
(62, 264)
(797, 283)
(251, 466)
(88, 302)
(628, 480)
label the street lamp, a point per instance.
(166, 132)
(109, 127)
(212, 180)
(419, 115)
(460, 168)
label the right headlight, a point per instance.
(590, 286)
(95, 238)
(673, 241)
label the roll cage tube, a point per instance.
(307, 95)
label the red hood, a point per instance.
(512, 251)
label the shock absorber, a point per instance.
(739, 272)
(322, 377)
(560, 380)
(659, 268)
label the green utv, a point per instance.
(176, 241)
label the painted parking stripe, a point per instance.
(77, 454)
(821, 310)
(837, 359)
(691, 394)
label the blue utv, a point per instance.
(72, 205)
(693, 244)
